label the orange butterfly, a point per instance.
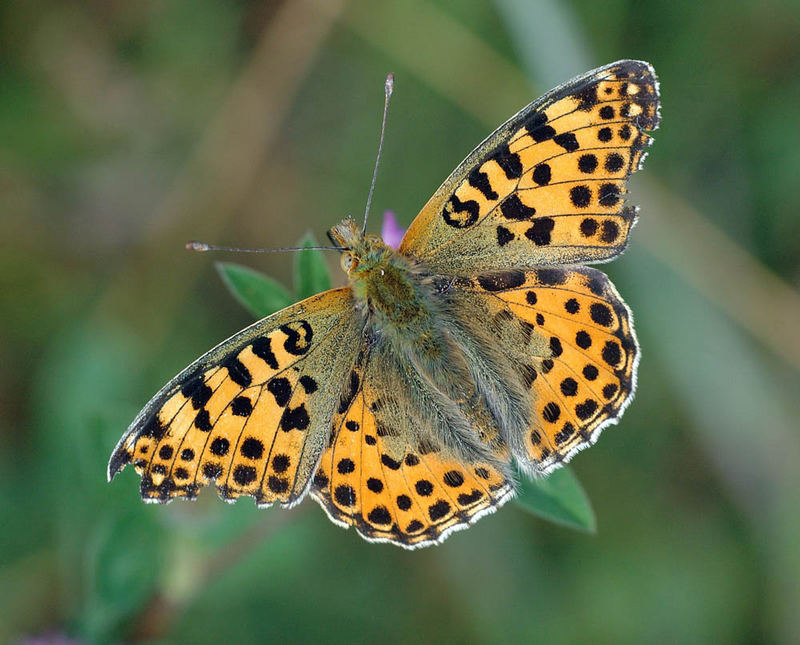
(400, 401)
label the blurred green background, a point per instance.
(128, 128)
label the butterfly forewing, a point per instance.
(548, 186)
(253, 415)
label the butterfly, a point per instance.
(401, 401)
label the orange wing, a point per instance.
(581, 359)
(396, 484)
(253, 414)
(548, 186)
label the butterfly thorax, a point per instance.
(390, 290)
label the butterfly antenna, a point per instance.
(202, 247)
(388, 86)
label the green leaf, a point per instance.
(118, 586)
(311, 275)
(258, 293)
(560, 498)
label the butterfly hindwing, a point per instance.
(252, 415)
(548, 186)
(580, 361)
(392, 481)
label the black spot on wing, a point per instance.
(568, 141)
(154, 428)
(241, 406)
(588, 226)
(551, 412)
(281, 463)
(380, 515)
(237, 372)
(580, 196)
(438, 510)
(453, 478)
(480, 180)
(220, 446)
(504, 236)
(212, 470)
(565, 433)
(587, 98)
(345, 495)
(583, 339)
(542, 174)
(467, 499)
(502, 281)
(607, 112)
(611, 353)
(262, 348)
(423, 487)
(202, 393)
(460, 214)
(513, 209)
(610, 231)
(308, 383)
(295, 418)
(534, 120)
(586, 409)
(281, 389)
(508, 161)
(542, 133)
(202, 421)
(590, 372)
(608, 195)
(278, 485)
(609, 390)
(569, 387)
(614, 162)
(601, 314)
(252, 448)
(587, 164)
(539, 233)
(390, 463)
(299, 335)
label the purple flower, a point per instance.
(391, 232)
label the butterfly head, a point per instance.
(360, 253)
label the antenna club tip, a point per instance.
(196, 246)
(389, 84)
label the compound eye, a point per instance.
(347, 261)
(372, 238)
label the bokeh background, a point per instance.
(127, 128)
